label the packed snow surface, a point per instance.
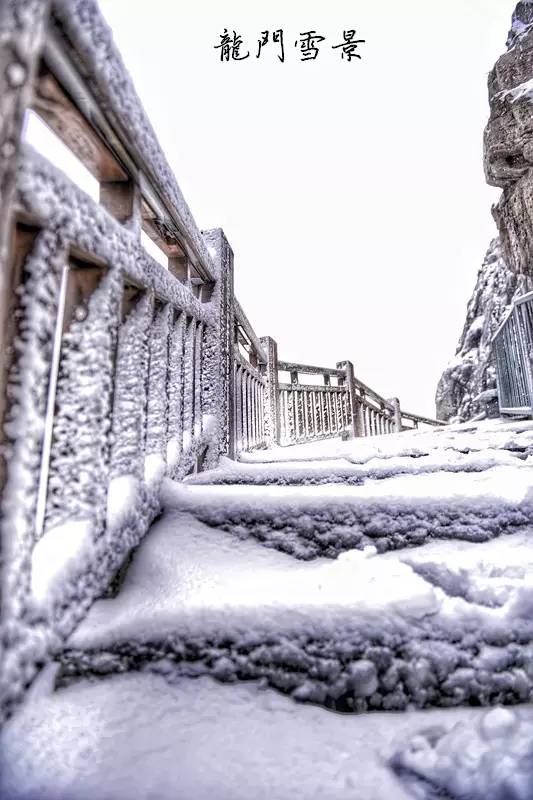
(469, 436)
(137, 737)
(192, 580)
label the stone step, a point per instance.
(402, 511)
(360, 633)
(137, 736)
(343, 470)
(515, 436)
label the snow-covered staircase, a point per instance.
(377, 575)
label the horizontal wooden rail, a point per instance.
(123, 126)
(306, 369)
(423, 420)
(243, 320)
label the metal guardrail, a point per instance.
(513, 349)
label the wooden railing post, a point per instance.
(22, 37)
(272, 411)
(355, 410)
(220, 375)
(395, 403)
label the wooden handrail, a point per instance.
(307, 369)
(244, 322)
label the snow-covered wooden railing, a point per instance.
(115, 368)
(118, 370)
(249, 385)
(309, 412)
(513, 350)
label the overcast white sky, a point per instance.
(352, 193)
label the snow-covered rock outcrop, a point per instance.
(508, 267)
(472, 371)
(508, 142)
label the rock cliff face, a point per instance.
(508, 267)
(471, 371)
(508, 151)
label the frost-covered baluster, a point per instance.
(300, 433)
(253, 411)
(272, 395)
(25, 415)
(305, 404)
(79, 459)
(238, 409)
(250, 393)
(285, 416)
(316, 413)
(175, 391)
(291, 411)
(188, 384)
(253, 392)
(262, 414)
(130, 383)
(246, 403)
(364, 417)
(257, 418)
(282, 417)
(198, 349)
(253, 408)
(336, 405)
(157, 401)
(321, 413)
(243, 427)
(246, 409)
(340, 419)
(328, 412)
(345, 415)
(335, 400)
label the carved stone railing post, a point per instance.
(272, 410)
(395, 403)
(219, 385)
(356, 426)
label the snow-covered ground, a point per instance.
(401, 511)
(513, 435)
(362, 631)
(137, 737)
(445, 622)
